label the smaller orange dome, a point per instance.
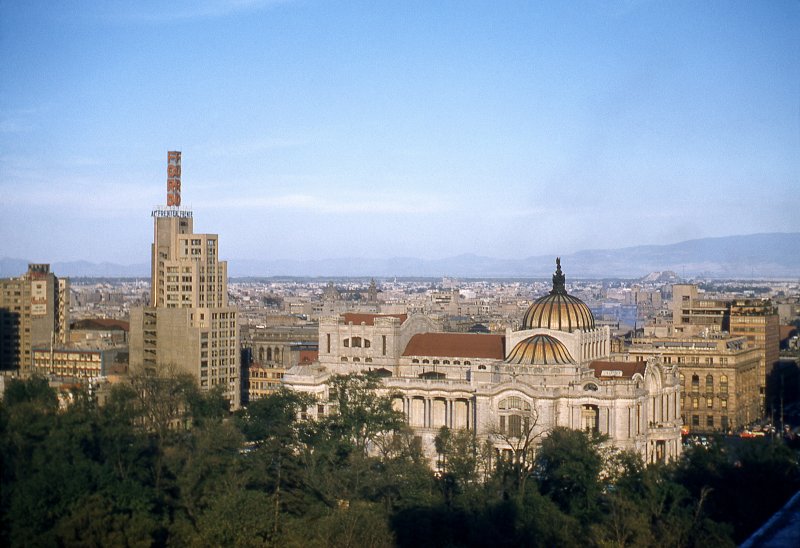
(540, 350)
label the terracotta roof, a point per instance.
(457, 345)
(308, 356)
(369, 319)
(628, 369)
(101, 323)
(787, 331)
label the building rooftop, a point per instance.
(457, 345)
(100, 324)
(369, 319)
(625, 370)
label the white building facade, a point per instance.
(555, 371)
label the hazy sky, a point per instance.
(380, 129)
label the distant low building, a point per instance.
(76, 363)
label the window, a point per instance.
(695, 383)
(709, 403)
(695, 420)
(514, 402)
(695, 403)
(723, 384)
(590, 415)
(709, 384)
(710, 421)
(723, 402)
(383, 342)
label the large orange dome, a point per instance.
(558, 310)
(540, 350)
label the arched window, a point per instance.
(355, 342)
(709, 384)
(695, 383)
(269, 354)
(346, 343)
(515, 417)
(514, 402)
(723, 384)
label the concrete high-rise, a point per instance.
(757, 320)
(188, 326)
(34, 311)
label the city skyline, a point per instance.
(318, 131)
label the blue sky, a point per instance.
(379, 129)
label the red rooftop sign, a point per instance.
(174, 178)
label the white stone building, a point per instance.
(555, 371)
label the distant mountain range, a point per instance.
(775, 255)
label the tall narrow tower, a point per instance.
(188, 326)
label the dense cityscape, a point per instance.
(410, 274)
(592, 390)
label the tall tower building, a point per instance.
(34, 311)
(188, 326)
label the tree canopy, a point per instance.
(178, 468)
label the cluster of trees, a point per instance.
(162, 463)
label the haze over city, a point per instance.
(317, 130)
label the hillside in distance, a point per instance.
(775, 255)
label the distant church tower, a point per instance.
(372, 292)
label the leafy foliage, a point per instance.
(141, 471)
